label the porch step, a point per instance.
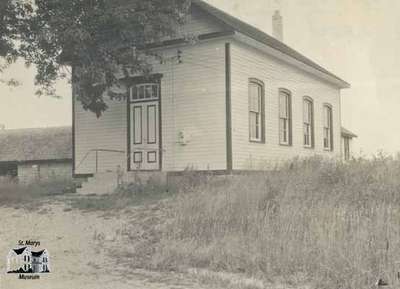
(99, 184)
(107, 183)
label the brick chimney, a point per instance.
(277, 26)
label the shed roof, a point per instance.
(35, 144)
(256, 34)
(347, 133)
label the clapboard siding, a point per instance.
(248, 63)
(107, 132)
(192, 101)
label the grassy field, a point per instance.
(312, 223)
(34, 194)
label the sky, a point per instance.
(358, 40)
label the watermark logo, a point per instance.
(28, 261)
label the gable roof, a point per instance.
(19, 251)
(237, 25)
(347, 133)
(36, 144)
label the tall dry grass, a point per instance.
(31, 195)
(331, 225)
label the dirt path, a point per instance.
(79, 245)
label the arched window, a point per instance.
(285, 117)
(328, 127)
(308, 122)
(256, 111)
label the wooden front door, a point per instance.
(145, 127)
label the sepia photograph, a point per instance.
(199, 144)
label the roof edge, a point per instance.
(348, 133)
(260, 36)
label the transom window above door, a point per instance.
(145, 91)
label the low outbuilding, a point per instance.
(36, 154)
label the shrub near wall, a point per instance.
(332, 225)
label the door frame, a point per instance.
(155, 78)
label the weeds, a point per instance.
(331, 225)
(337, 225)
(128, 195)
(15, 194)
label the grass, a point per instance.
(33, 194)
(312, 222)
(129, 195)
(331, 225)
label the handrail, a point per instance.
(96, 151)
(105, 150)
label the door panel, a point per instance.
(137, 124)
(151, 124)
(145, 141)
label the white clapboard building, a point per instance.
(238, 99)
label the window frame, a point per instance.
(260, 84)
(311, 145)
(288, 118)
(329, 108)
(136, 89)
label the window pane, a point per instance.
(307, 111)
(326, 138)
(253, 117)
(134, 92)
(254, 98)
(328, 127)
(283, 105)
(307, 134)
(284, 132)
(141, 92)
(155, 91)
(149, 91)
(258, 126)
(329, 117)
(326, 116)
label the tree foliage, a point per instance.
(10, 14)
(97, 38)
(6, 15)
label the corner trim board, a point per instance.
(73, 127)
(128, 129)
(228, 101)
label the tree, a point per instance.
(10, 14)
(97, 38)
(6, 14)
